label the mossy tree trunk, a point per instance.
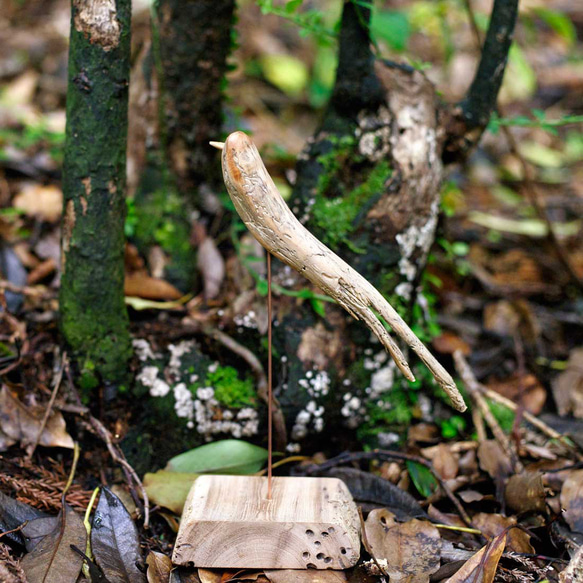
(94, 320)
(191, 43)
(194, 39)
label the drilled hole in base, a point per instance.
(311, 566)
(320, 556)
(343, 550)
(306, 555)
(310, 532)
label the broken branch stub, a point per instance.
(272, 223)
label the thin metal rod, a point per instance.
(269, 382)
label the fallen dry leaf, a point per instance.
(445, 463)
(568, 386)
(41, 201)
(114, 541)
(493, 525)
(141, 285)
(22, 424)
(525, 492)
(524, 390)
(481, 568)
(448, 343)
(411, 549)
(493, 460)
(211, 265)
(572, 500)
(159, 567)
(53, 560)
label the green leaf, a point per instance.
(542, 156)
(559, 23)
(169, 489)
(262, 287)
(318, 307)
(292, 6)
(423, 479)
(228, 456)
(392, 27)
(287, 73)
(520, 79)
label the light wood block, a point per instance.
(229, 523)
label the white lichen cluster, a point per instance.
(312, 414)
(414, 244)
(211, 420)
(309, 204)
(143, 350)
(202, 411)
(374, 134)
(247, 320)
(316, 383)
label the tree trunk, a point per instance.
(194, 43)
(191, 43)
(94, 320)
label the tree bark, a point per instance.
(191, 43)
(194, 43)
(94, 320)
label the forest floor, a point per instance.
(505, 283)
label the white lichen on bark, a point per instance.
(97, 20)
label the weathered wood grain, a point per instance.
(272, 223)
(229, 523)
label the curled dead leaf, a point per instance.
(568, 386)
(572, 500)
(481, 568)
(411, 550)
(159, 567)
(211, 265)
(493, 525)
(140, 284)
(20, 423)
(525, 492)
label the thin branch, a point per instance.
(56, 384)
(531, 189)
(480, 101)
(472, 386)
(470, 117)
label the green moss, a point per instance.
(158, 218)
(230, 390)
(337, 217)
(393, 411)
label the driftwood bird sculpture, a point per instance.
(273, 224)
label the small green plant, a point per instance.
(538, 120)
(230, 390)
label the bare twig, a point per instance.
(472, 386)
(529, 417)
(118, 457)
(56, 384)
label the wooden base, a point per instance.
(228, 523)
